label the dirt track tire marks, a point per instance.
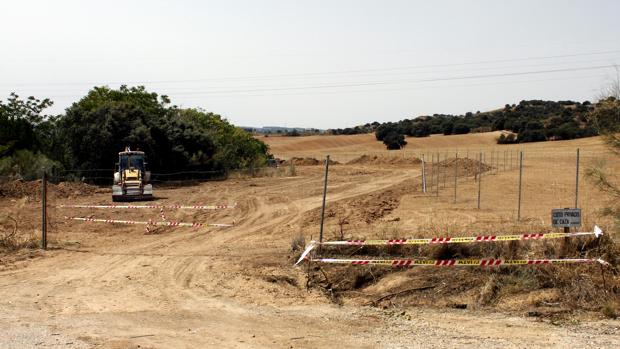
(199, 287)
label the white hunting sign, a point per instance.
(566, 217)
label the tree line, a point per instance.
(94, 129)
(527, 121)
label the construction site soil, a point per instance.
(102, 285)
(307, 162)
(383, 160)
(32, 189)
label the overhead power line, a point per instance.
(497, 83)
(353, 71)
(265, 92)
(377, 83)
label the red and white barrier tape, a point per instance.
(457, 262)
(147, 228)
(449, 240)
(167, 223)
(191, 207)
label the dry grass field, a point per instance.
(111, 286)
(548, 173)
(346, 148)
(284, 147)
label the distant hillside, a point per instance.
(530, 121)
(282, 130)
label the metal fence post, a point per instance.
(445, 161)
(520, 178)
(435, 163)
(479, 178)
(324, 197)
(456, 172)
(434, 167)
(432, 170)
(577, 180)
(423, 175)
(44, 210)
(437, 177)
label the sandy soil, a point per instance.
(112, 286)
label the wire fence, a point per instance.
(511, 151)
(511, 182)
(105, 177)
(526, 185)
(494, 180)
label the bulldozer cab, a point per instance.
(131, 160)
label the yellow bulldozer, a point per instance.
(131, 179)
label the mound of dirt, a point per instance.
(367, 208)
(308, 161)
(32, 189)
(19, 189)
(466, 167)
(383, 160)
(74, 189)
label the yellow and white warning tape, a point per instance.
(449, 240)
(487, 262)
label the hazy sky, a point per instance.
(312, 63)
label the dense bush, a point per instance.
(394, 140)
(384, 129)
(26, 165)
(531, 136)
(461, 128)
(507, 139)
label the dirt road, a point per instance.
(109, 286)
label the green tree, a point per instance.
(234, 148)
(461, 128)
(102, 123)
(26, 137)
(394, 140)
(447, 127)
(507, 139)
(20, 121)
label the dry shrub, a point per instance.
(308, 161)
(11, 240)
(298, 243)
(609, 310)
(489, 291)
(336, 280)
(292, 171)
(576, 286)
(257, 172)
(268, 172)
